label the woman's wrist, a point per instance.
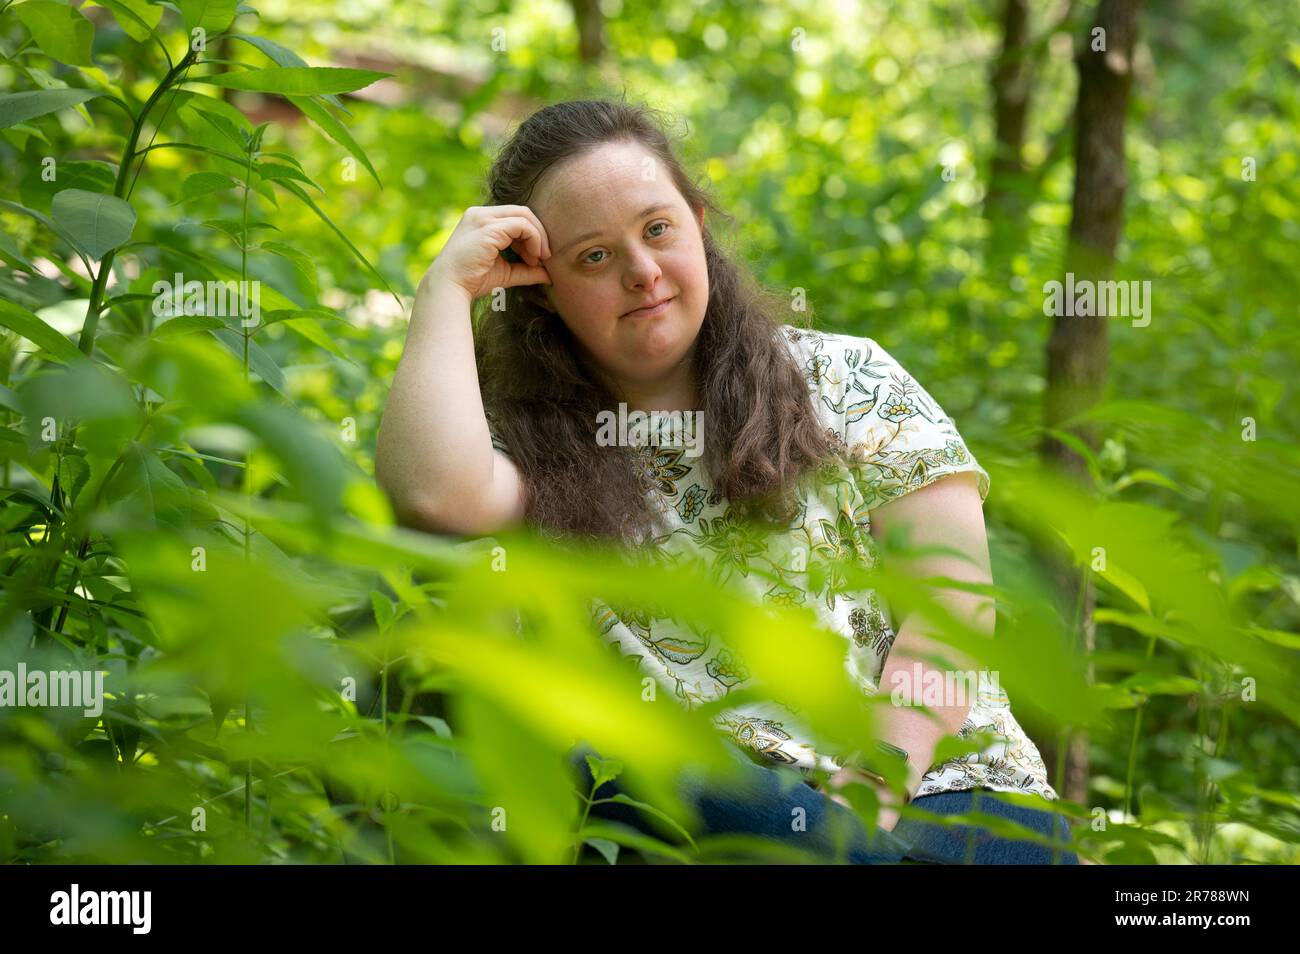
(434, 282)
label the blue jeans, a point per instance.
(969, 844)
(768, 800)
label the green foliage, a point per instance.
(188, 503)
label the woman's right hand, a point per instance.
(472, 259)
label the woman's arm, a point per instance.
(948, 513)
(433, 455)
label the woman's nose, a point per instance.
(642, 271)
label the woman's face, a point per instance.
(622, 237)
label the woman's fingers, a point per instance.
(472, 257)
(527, 275)
(522, 211)
(520, 233)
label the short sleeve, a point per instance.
(897, 436)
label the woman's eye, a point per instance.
(589, 261)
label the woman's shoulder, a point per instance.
(875, 406)
(834, 345)
(835, 362)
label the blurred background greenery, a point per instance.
(292, 678)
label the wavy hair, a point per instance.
(542, 399)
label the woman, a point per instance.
(608, 289)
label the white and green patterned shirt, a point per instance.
(898, 440)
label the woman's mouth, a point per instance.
(652, 311)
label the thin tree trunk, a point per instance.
(591, 29)
(1004, 202)
(1011, 81)
(1078, 349)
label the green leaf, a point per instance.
(258, 359)
(183, 324)
(87, 175)
(95, 222)
(23, 322)
(9, 399)
(98, 401)
(236, 229)
(307, 200)
(603, 770)
(320, 314)
(220, 706)
(46, 80)
(203, 183)
(236, 169)
(273, 170)
(221, 124)
(301, 261)
(73, 473)
(624, 799)
(1147, 625)
(1144, 475)
(118, 301)
(633, 839)
(39, 217)
(282, 56)
(313, 465)
(1131, 855)
(22, 132)
(187, 702)
(1126, 583)
(309, 329)
(213, 16)
(335, 130)
(1073, 442)
(1161, 684)
(271, 299)
(137, 18)
(1276, 636)
(148, 489)
(10, 249)
(439, 726)
(283, 156)
(202, 102)
(383, 609)
(608, 849)
(59, 30)
(18, 107)
(303, 80)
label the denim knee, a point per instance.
(960, 844)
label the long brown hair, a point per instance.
(762, 432)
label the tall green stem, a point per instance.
(248, 467)
(1063, 740)
(1132, 746)
(94, 307)
(87, 340)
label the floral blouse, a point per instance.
(898, 440)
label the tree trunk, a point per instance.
(591, 30)
(1077, 351)
(1004, 203)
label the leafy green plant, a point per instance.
(291, 678)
